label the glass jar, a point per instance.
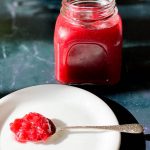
(88, 42)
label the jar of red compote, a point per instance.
(88, 42)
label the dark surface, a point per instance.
(27, 58)
(128, 141)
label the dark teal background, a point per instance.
(27, 58)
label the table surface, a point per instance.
(27, 59)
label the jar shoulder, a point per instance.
(63, 22)
(65, 30)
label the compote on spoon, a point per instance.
(34, 127)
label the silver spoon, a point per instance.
(126, 128)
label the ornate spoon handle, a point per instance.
(126, 128)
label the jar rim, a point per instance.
(74, 3)
(88, 10)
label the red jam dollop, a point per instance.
(33, 127)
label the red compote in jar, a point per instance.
(88, 42)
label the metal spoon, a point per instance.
(126, 128)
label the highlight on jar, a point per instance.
(88, 42)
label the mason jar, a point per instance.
(88, 42)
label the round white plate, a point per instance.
(65, 105)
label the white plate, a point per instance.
(65, 105)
